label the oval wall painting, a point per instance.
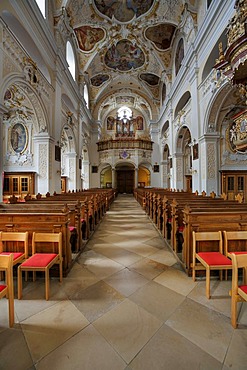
(18, 137)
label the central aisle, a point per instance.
(126, 304)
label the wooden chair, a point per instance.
(10, 244)
(43, 261)
(211, 259)
(240, 242)
(238, 292)
(7, 289)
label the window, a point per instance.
(70, 59)
(41, 5)
(240, 183)
(15, 184)
(6, 184)
(230, 183)
(86, 95)
(24, 184)
(209, 3)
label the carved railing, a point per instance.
(127, 143)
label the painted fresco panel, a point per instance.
(123, 11)
(124, 56)
(88, 37)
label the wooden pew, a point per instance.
(39, 220)
(189, 212)
(210, 219)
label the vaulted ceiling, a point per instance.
(125, 50)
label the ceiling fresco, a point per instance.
(161, 35)
(150, 78)
(124, 56)
(99, 80)
(88, 37)
(123, 11)
(126, 48)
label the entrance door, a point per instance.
(189, 183)
(234, 183)
(125, 181)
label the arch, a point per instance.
(211, 61)
(42, 6)
(164, 129)
(167, 165)
(183, 159)
(182, 102)
(86, 95)
(106, 176)
(125, 177)
(23, 99)
(144, 175)
(179, 56)
(70, 57)
(26, 40)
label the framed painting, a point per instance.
(57, 153)
(94, 169)
(156, 168)
(18, 137)
(195, 152)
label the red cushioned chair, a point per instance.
(235, 242)
(238, 292)
(7, 289)
(15, 243)
(211, 259)
(43, 261)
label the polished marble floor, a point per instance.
(126, 304)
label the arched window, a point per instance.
(41, 5)
(70, 59)
(86, 95)
(179, 55)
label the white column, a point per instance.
(209, 163)
(2, 110)
(113, 177)
(136, 177)
(44, 154)
(71, 162)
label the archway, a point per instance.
(184, 160)
(125, 178)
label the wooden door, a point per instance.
(125, 181)
(234, 183)
(189, 183)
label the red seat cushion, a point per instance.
(2, 287)
(215, 258)
(39, 260)
(243, 288)
(15, 255)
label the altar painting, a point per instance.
(18, 137)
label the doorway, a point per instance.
(125, 180)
